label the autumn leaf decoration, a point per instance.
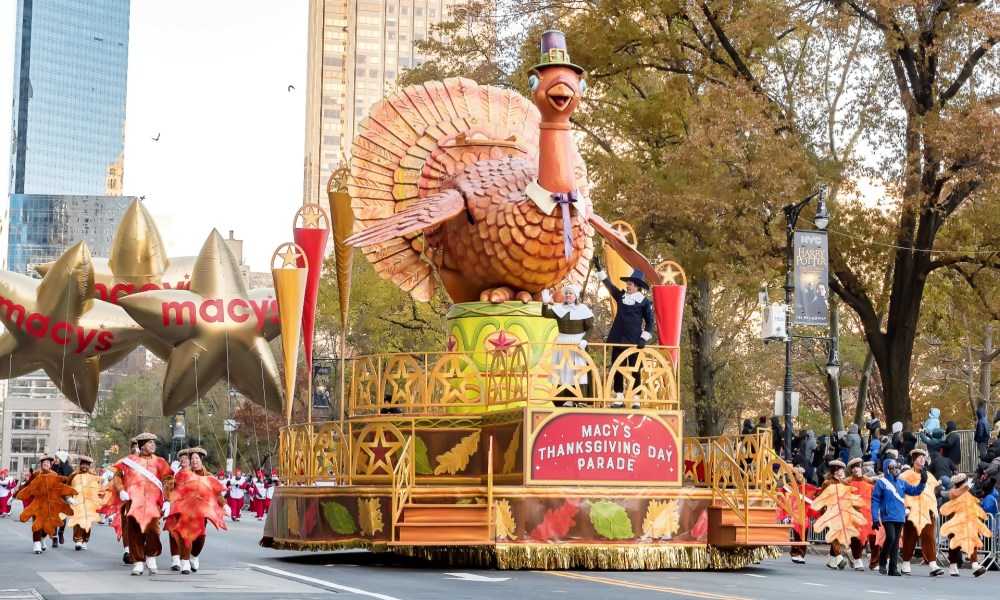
(965, 526)
(370, 516)
(661, 520)
(510, 455)
(47, 491)
(923, 508)
(611, 520)
(294, 525)
(457, 458)
(557, 523)
(194, 503)
(506, 526)
(90, 498)
(842, 519)
(338, 518)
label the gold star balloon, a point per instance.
(215, 329)
(56, 325)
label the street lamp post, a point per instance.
(791, 218)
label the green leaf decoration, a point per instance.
(611, 520)
(421, 461)
(338, 518)
(465, 501)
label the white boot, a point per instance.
(185, 567)
(831, 563)
(953, 570)
(175, 562)
(83, 545)
(137, 568)
(905, 569)
(194, 564)
(935, 569)
(151, 565)
(37, 547)
(78, 545)
(977, 569)
(44, 546)
(859, 565)
(841, 562)
(619, 401)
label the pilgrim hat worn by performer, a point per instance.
(574, 321)
(199, 499)
(921, 517)
(146, 480)
(633, 322)
(50, 491)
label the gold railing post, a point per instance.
(489, 492)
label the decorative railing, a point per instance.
(402, 482)
(490, 509)
(535, 373)
(701, 453)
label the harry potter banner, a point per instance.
(812, 300)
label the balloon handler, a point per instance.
(574, 321)
(633, 322)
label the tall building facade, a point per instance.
(357, 49)
(70, 74)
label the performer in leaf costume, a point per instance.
(197, 499)
(114, 508)
(145, 481)
(803, 492)
(922, 518)
(863, 487)
(965, 527)
(91, 497)
(834, 476)
(43, 497)
(841, 516)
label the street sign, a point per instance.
(230, 425)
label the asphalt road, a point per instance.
(234, 565)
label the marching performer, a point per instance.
(7, 485)
(803, 493)
(921, 515)
(237, 486)
(145, 481)
(258, 492)
(50, 491)
(183, 462)
(965, 525)
(889, 511)
(91, 497)
(114, 508)
(574, 321)
(198, 500)
(835, 476)
(863, 487)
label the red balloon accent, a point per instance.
(668, 305)
(313, 243)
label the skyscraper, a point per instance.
(357, 48)
(70, 70)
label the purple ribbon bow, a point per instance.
(564, 200)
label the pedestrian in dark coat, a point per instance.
(908, 441)
(777, 435)
(982, 436)
(889, 512)
(747, 427)
(853, 443)
(952, 447)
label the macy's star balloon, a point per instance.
(56, 325)
(215, 328)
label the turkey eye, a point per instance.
(583, 85)
(533, 82)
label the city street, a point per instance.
(234, 564)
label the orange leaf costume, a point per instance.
(864, 489)
(842, 519)
(803, 492)
(193, 503)
(146, 496)
(43, 497)
(966, 526)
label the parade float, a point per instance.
(505, 448)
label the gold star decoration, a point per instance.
(380, 450)
(56, 325)
(215, 329)
(312, 215)
(671, 273)
(289, 257)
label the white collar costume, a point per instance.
(576, 311)
(633, 298)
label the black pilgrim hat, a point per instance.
(637, 277)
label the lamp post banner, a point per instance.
(812, 292)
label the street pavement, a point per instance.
(233, 565)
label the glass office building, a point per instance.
(43, 226)
(70, 69)
(357, 49)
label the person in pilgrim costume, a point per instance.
(574, 320)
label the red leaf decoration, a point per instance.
(557, 523)
(46, 491)
(193, 503)
(309, 517)
(112, 509)
(700, 529)
(865, 489)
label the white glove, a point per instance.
(71, 500)
(123, 496)
(229, 511)
(646, 336)
(546, 296)
(166, 510)
(602, 275)
(583, 344)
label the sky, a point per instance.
(211, 78)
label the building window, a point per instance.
(78, 446)
(30, 420)
(27, 445)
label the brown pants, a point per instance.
(858, 548)
(177, 547)
(955, 555)
(37, 536)
(80, 534)
(928, 544)
(876, 553)
(835, 548)
(143, 544)
(123, 514)
(797, 550)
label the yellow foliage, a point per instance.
(841, 519)
(511, 454)
(370, 516)
(457, 458)
(505, 520)
(661, 520)
(294, 526)
(966, 526)
(90, 497)
(923, 508)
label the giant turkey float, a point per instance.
(485, 452)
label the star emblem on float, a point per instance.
(379, 450)
(215, 329)
(502, 341)
(56, 325)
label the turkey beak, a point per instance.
(560, 95)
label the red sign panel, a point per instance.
(614, 446)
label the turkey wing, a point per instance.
(424, 213)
